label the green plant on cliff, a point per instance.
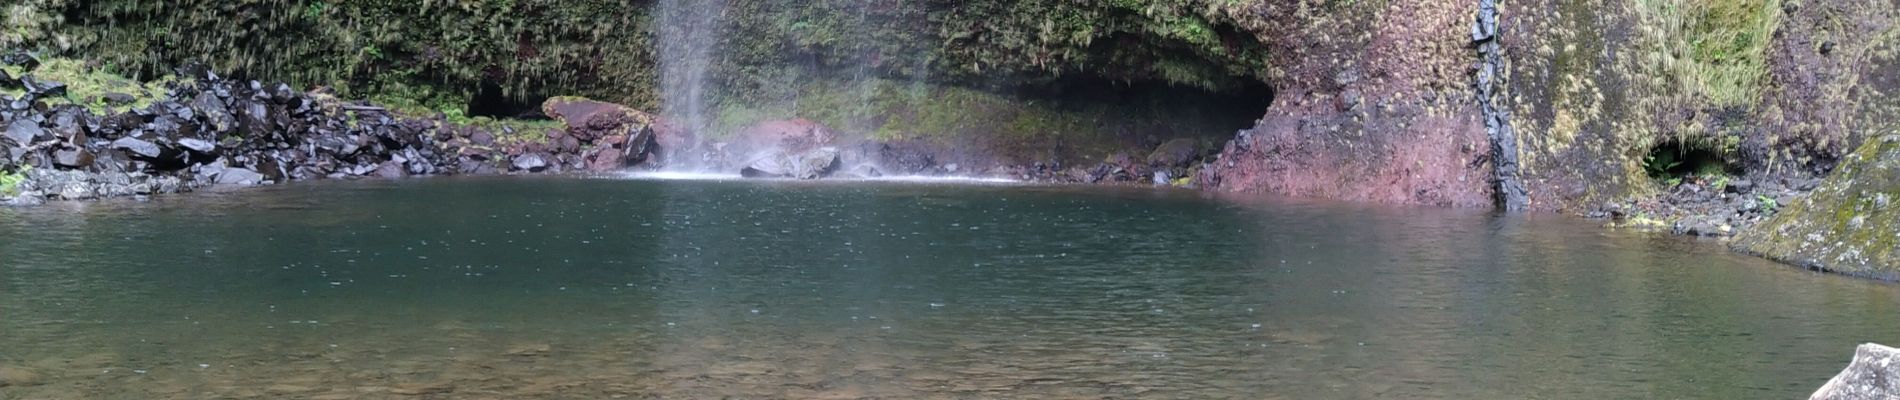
(1712, 50)
(10, 181)
(88, 85)
(366, 48)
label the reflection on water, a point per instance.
(572, 288)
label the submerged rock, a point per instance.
(419, 389)
(1873, 374)
(12, 376)
(1849, 224)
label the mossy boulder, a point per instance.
(1849, 225)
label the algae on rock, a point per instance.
(1850, 224)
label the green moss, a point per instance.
(10, 181)
(1850, 224)
(431, 53)
(1713, 49)
(87, 85)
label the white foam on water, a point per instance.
(682, 176)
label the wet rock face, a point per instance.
(1388, 117)
(1850, 224)
(1874, 374)
(1393, 154)
(796, 148)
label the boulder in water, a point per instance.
(813, 164)
(796, 148)
(1874, 374)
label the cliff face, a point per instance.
(1595, 90)
(1767, 88)
(1375, 104)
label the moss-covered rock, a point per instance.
(1850, 224)
(86, 85)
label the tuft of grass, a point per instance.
(10, 181)
(86, 85)
(1712, 49)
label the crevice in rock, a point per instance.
(1492, 94)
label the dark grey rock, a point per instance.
(117, 99)
(42, 88)
(138, 147)
(23, 132)
(20, 58)
(200, 146)
(73, 158)
(215, 114)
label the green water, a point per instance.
(617, 288)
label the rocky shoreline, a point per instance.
(209, 130)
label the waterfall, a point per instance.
(689, 40)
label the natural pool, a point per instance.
(638, 288)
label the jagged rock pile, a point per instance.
(211, 130)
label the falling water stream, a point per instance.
(690, 33)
